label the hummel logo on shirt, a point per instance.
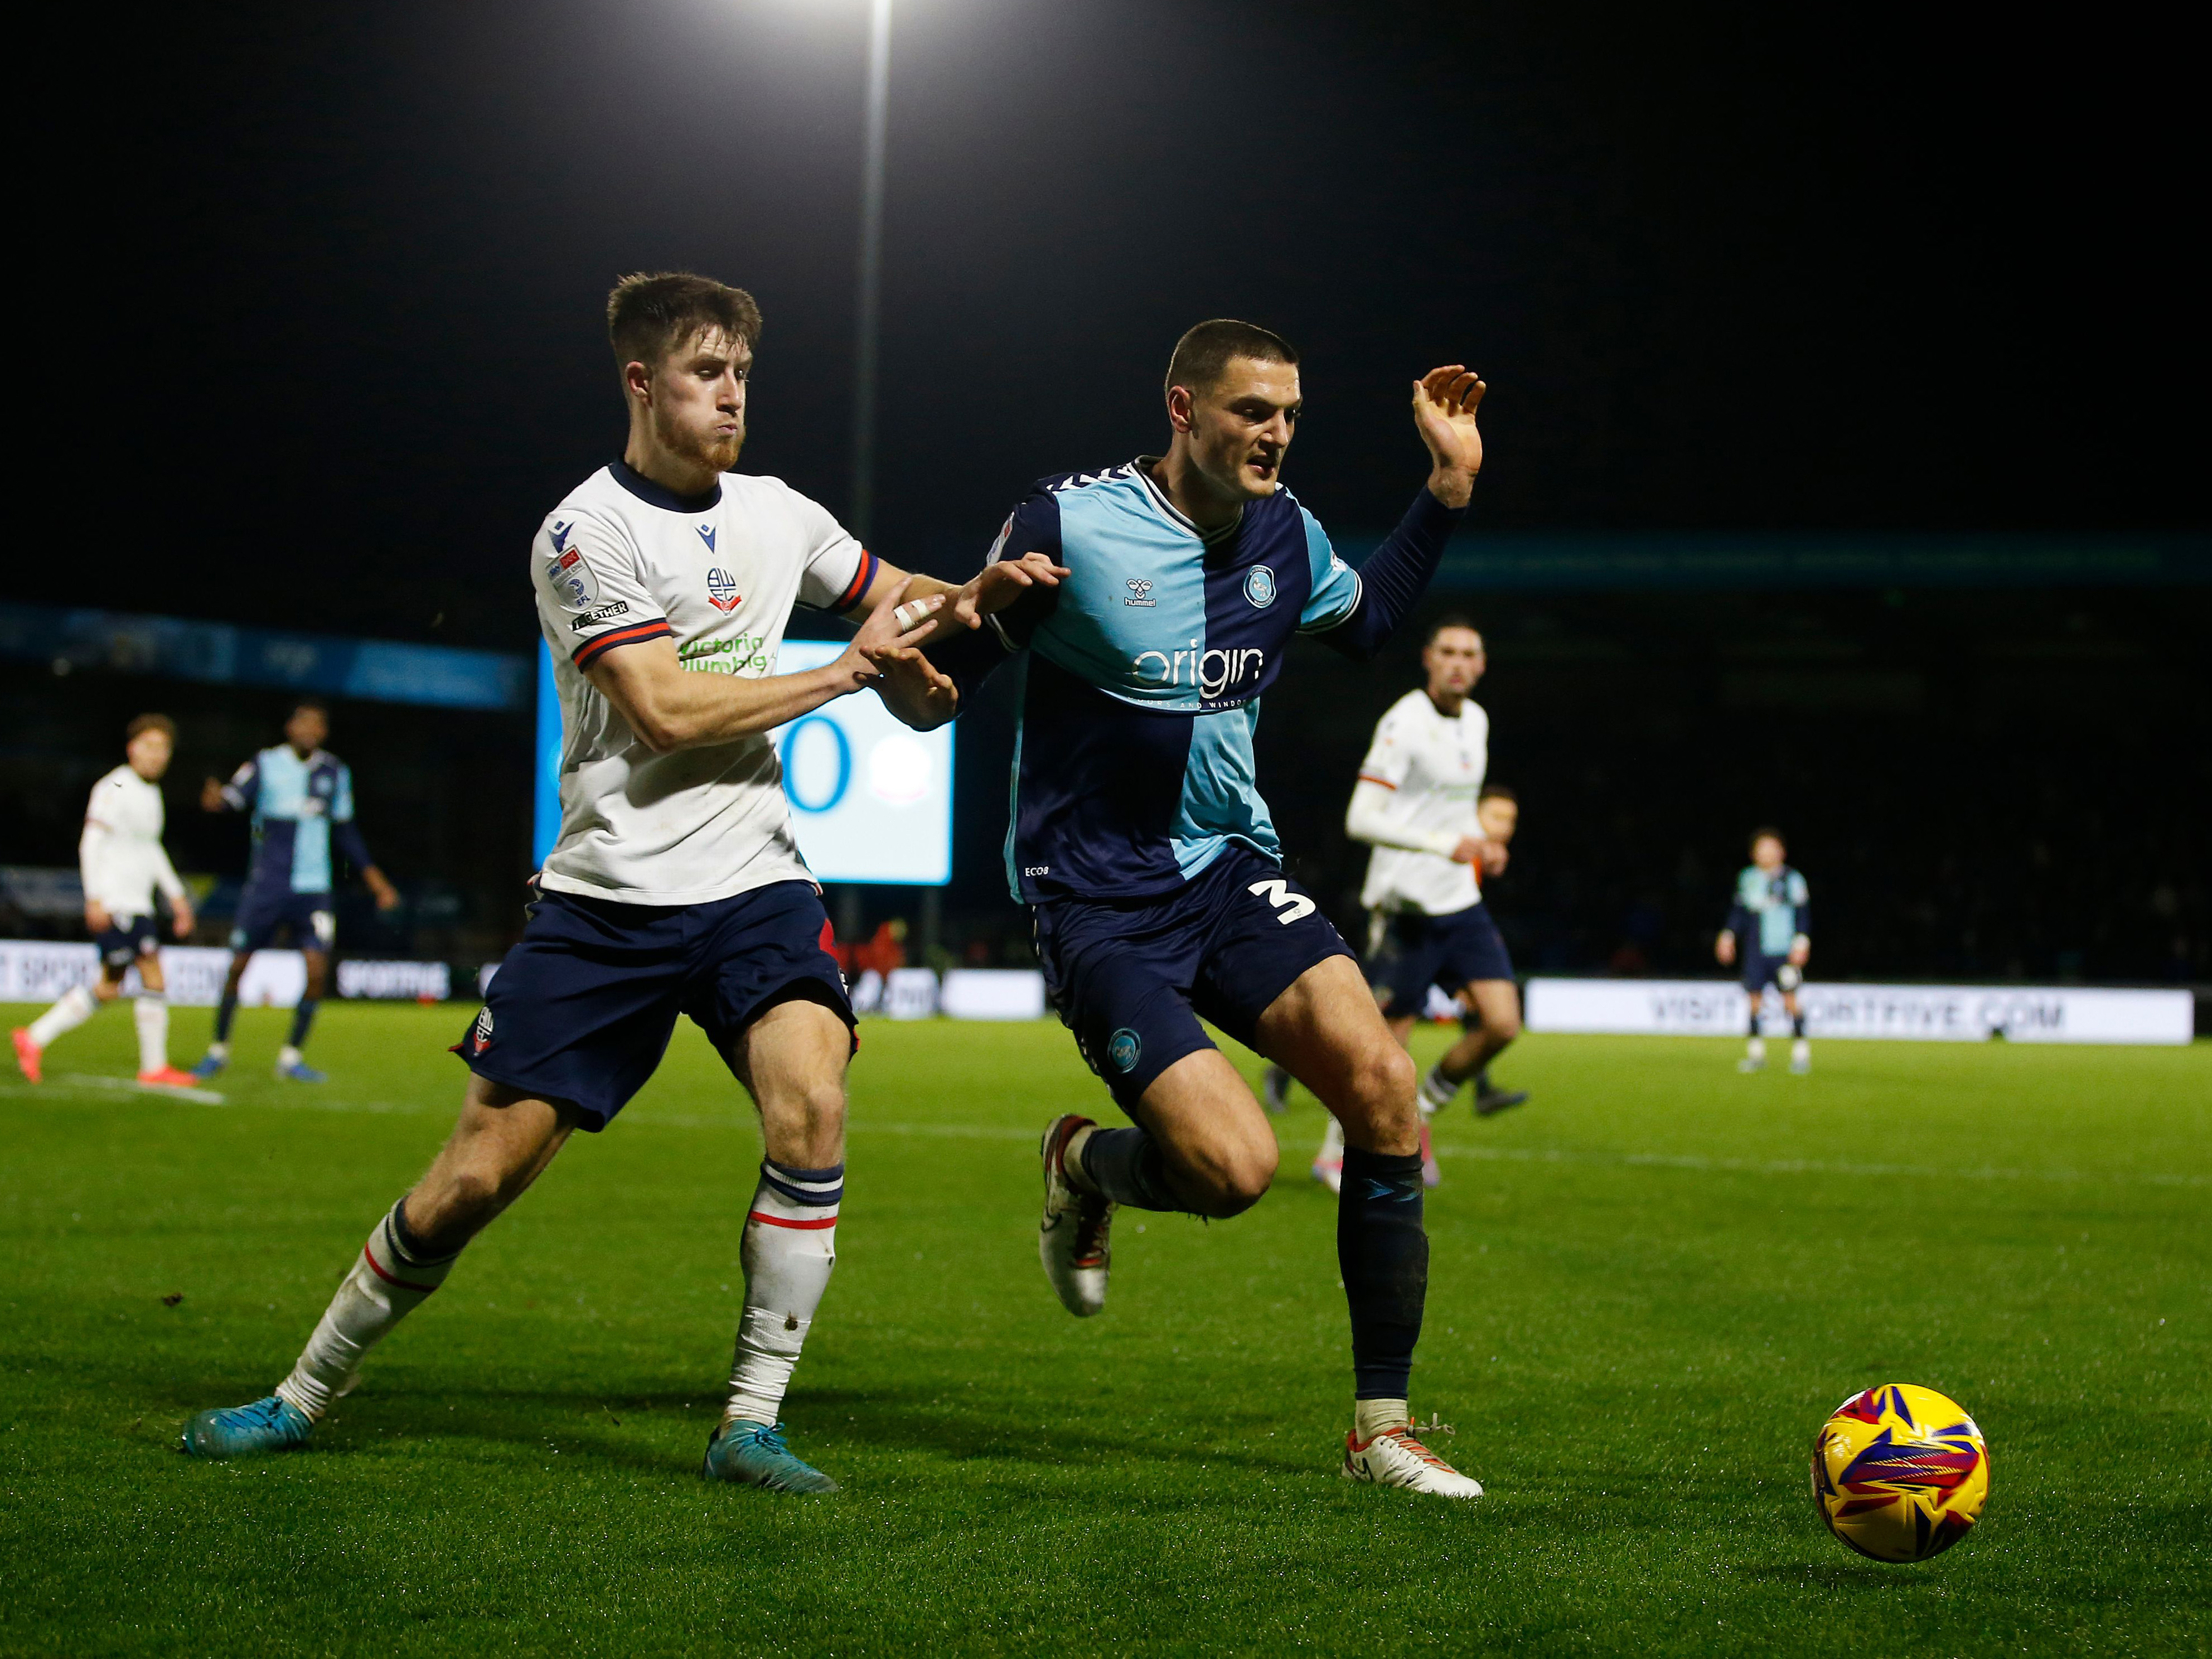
(1137, 589)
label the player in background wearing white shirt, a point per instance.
(121, 858)
(663, 583)
(1416, 803)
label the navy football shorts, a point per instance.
(1760, 971)
(1449, 951)
(121, 947)
(308, 917)
(1133, 979)
(583, 1008)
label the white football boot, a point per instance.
(1073, 1234)
(1395, 1458)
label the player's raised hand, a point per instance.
(1444, 403)
(211, 796)
(997, 585)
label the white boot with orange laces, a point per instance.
(1381, 1449)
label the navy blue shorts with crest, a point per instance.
(1132, 980)
(1761, 970)
(583, 1008)
(121, 946)
(312, 923)
(1448, 951)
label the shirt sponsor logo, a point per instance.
(1260, 586)
(748, 653)
(570, 578)
(605, 613)
(722, 590)
(1211, 672)
(1138, 588)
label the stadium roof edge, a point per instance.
(176, 647)
(1744, 560)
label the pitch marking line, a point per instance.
(734, 1119)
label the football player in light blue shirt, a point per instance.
(1770, 926)
(1140, 840)
(300, 798)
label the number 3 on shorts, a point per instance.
(1289, 906)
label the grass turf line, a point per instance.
(1647, 1288)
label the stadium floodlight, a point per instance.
(876, 105)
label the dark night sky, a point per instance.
(1730, 266)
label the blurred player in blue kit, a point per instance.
(1770, 926)
(1151, 865)
(300, 798)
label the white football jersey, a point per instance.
(120, 854)
(622, 561)
(1433, 766)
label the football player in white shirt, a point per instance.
(663, 583)
(1415, 804)
(121, 859)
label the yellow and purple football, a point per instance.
(1900, 1473)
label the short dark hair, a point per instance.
(1203, 354)
(1763, 832)
(1449, 619)
(651, 313)
(1496, 792)
(161, 723)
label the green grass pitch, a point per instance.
(1648, 1288)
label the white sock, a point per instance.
(151, 1012)
(287, 1057)
(77, 1006)
(1332, 1145)
(1756, 1048)
(1370, 1417)
(1438, 1090)
(791, 1245)
(385, 1285)
(218, 1051)
(1801, 1050)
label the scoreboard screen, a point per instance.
(871, 800)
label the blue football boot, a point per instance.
(300, 1071)
(754, 1455)
(269, 1425)
(212, 1064)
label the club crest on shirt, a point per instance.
(1137, 589)
(722, 590)
(570, 578)
(1260, 586)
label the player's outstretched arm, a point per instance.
(670, 709)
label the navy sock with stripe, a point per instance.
(1383, 1252)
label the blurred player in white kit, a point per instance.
(1416, 805)
(121, 859)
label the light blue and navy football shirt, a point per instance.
(1132, 764)
(1776, 907)
(297, 804)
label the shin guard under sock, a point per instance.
(1383, 1255)
(790, 1246)
(388, 1282)
(1125, 1166)
(151, 1015)
(75, 1007)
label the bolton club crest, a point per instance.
(722, 589)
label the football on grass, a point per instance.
(1900, 1473)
